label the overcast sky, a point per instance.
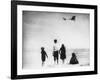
(40, 28)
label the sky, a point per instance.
(41, 28)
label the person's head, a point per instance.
(55, 40)
(62, 45)
(42, 48)
(73, 54)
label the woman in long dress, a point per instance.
(62, 52)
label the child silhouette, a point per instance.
(43, 55)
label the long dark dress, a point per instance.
(74, 59)
(62, 53)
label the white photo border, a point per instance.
(22, 8)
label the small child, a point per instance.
(43, 55)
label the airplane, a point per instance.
(73, 18)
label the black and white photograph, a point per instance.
(52, 39)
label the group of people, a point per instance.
(58, 52)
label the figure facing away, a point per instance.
(55, 51)
(43, 55)
(74, 59)
(62, 52)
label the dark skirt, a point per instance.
(62, 56)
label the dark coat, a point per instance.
(43, 55)
(74, 59)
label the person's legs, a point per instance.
(54, 59)
(42, 63)
(63, 61)
(57, 59)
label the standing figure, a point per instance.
(62, 52)
(74, 59)
(43, 55)
(55, 51)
